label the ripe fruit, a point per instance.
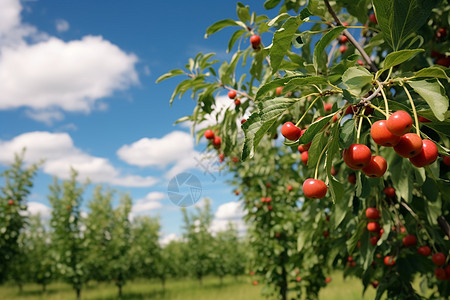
(209, 134)
(255, 40)
(269, 207)
(236, 193)
(375, 284)
(359, 62)
(349, 110)
(427, 156)
(424, 251)
(376, 167)
(440, 274)
(255, 282)
(372, 213)
(327, 280)
(423, 120)
(217, 141)
(235, 159)
(314, 188)
(221, 157)
(441, 33)
(243, 121)
(389, 260)
(289, 187)
(389, 191)
(268, 185)
(349, 258)
(373, 18)
(409, 240)
(352, 178)
(333, 171)
(327, 107)
(10, 202)
(443, 61)
(438, 259)
(357, 156)
(232, 94)
(343, 48)
(237, 102)
(252, 273)
(304, 158)
(373, 240)
(279, 90)
(410, 145)
(382, 136)
(326, 234)
(290, 131)
(373, 226)
(298, 279)
(446, 160)
(343, 39)
(399, 123)
(301, 148)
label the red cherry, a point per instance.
(344, 24)
(268, 199)
(424, 251)
(221, 157)
(255, 282)
(427, 156)
(447, 271)
(382, 136)
(235, 159)
(376, 167)
(10, 202)
(374, 240)
(373, 18)
(349, 110)
(255, 40)
(399, 123)
(333, 171)
(443, 61)
(409, 240)
(298, 279)
(440, 274)
(237, 102)
(410, 145)
(343, 48)
(252, 273)
(436, 54)
(327, 107)
(359, 62)
(389, 260)
(423, 120)
(446, 160)
(289, 187)
(352, 178)
(217, 141)
(314, 188)
(232, 94)
(279, 90)
(368, 110)
(301, 148)
(305, 158)
(438, 259)
(381, 232)
(326, 234)
(389, 191)
(343, 39)
(441, 33)
(327, 280)
(357, 156)
(209, 134)
(373, 226)
(243, 121)
(372, 213)
(290, 131)
(269, 207)
(350, 258)
(268, 185)
(375, 284)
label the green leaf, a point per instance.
(274, 108)
(336, 188)
(433, 72)
(347, 133)
(357, 8)
(313, 129)
(322, 44)
(236, 35)
(243, 12)
(396, 58)
(169, 75)
(402, 184)
(301, 82)
(317, 145)
(305, 13)
(279, 18)
(400, 18)
(282, 40)
(353, 241)
(220, 25)
(432, 91)
(269, 4)
(357, 79)
(349, 97)
(317, 7)
(272, 85)
(254, 130)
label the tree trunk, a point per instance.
(221, 280)
(284, 283)
(44, 287)
(20, 287)
(200, 280)
(163, 283)
(120, 291)
(78, 290)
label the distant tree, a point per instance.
(67, 236)
(13, 196)
(175, 255)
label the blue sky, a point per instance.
(78, 89)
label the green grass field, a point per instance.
(181, 289)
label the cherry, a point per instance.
(232, 94)
(357, 156)
(423, 120)
(373, 18)
(438, 259)
(217, 141)
(447, 271)
(333, 171)
(359, 62)
(255, 282)
(327, 280)
(374, 240)
(298, 279)
(235, 159)
(305, 158)
(343, 48)
(382, 136)
(440, 274)
(376, 167)
(314, 188)
(441, 33)
(290, 131)
(443, 61)
(255, 40)
(236, 193)
(327, 107)
(289, 187)
(268, 199)
(410, 145)
(389, 191)
(375, 284)
(446, 160)
(436, 54)
(268, 185)
(349, 110)
(269, 207)
(352, 178)
(326, 234)
(372, 213)
(10, 202)
(209, 134)
(409, 240)
(350, 258)
(221, 157)
(252, 273)
(389, 260)
(237, 102)
(381, 232)
(373, 226)
(343, 39)
(279, 90)
(243, 121)
(335, 118)
(399, 123)
(427, 156)
(424, 251)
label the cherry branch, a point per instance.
(444, 225)
(244, 94)
(351, 38)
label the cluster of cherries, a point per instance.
(215, 140)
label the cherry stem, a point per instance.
(359, 127)
(351, 38)
(239, 92)
(376, 108)
(416, 120)
(318, 161)
(419, 222)
(310, 106)
(385, 100)
(389, 74)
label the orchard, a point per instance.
(362, 88)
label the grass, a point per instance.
(180, 289)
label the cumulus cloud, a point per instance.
(226, 213)
(62, 25)
(169, 238)
(49, 74)
(60, 155)
(150, 202)
(175, 149)
(35, 208)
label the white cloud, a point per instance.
(60, 155)
(62, 25)
(150, 202)
(49, 74)
(45, 116)
(169, 238)
(226, 213)
(175, 149)
(39, 208)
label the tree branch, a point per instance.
(444, 225)
(351, 38)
